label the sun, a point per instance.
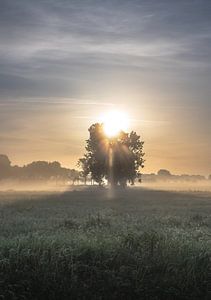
(114, 122)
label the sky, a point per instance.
(64, 63)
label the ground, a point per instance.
(90, 244)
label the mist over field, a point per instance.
(196, 186)
(15, 185)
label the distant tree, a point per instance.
(5, 166)
(209, 177)
(37, 170)
(43, 170)
(164, 173)
(55, 165)
(4, 161)
(74, 175)
(17, 172)
(116, 159)
(83, 163)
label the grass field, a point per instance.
(138, 244)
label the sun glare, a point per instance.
(114, 122)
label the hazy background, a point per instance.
(64, 63)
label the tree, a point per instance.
(164, 173)
(84, 165)
(117, 159)
(5, 166)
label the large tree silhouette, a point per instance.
(118, 159)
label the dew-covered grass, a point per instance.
(137, 244)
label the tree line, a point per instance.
(165, 175)
(37, 170)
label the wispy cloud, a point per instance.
(53, 101)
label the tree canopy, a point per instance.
(117, 159)
(164, 173)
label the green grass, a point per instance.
(140, 244)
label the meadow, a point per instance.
(88, 244)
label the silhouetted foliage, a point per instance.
(37, 170)
(116, 159)
(83, 163)
(164, 173)
(5, 166)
